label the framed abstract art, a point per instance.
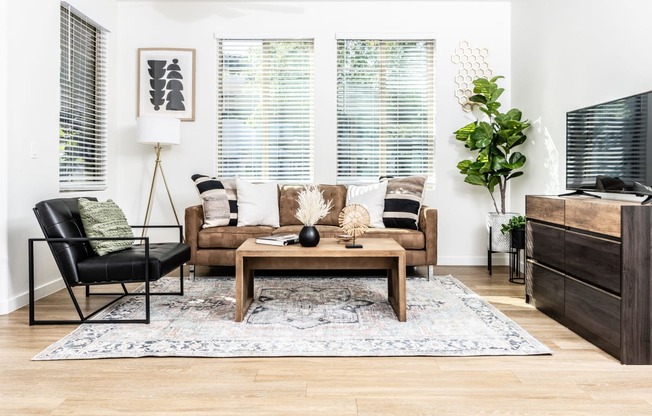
(166, 83)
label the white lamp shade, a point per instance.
(163, 130)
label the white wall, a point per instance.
(4, 158)
(30, 69)
(462, 208)
(568, 54)
(30, 120)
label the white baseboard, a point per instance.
(496, 260)
(21, 300)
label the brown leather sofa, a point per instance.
(215, 246)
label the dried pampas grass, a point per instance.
(312, 206)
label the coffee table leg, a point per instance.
(244, 288)
(396, 289)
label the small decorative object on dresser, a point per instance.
(312, 208)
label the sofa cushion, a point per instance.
(403, 202)
(219, 200)
(408, 239)
(372, 197)
(257, 203)
(230, 237)
(325, 231)
(289, 204)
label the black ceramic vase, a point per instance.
(309, 236)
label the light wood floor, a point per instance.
(578, 379)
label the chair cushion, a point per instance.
(105, 219)
(129, 265)
(59, 218)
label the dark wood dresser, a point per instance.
(589, 267)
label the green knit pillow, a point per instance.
(105, 219)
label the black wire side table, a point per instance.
(517, 244)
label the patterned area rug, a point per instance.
(300, 316)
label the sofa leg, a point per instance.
(431, 271)
(191, 272)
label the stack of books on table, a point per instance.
(279, 239)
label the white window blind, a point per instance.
(385, 108)
(82, 117)
(265, 123)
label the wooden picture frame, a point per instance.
(166, 83)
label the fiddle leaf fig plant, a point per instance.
(493, 138)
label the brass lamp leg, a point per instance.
(158, 167)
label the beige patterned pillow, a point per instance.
(105, 219)
(219, 200)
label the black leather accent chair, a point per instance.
(79, 265)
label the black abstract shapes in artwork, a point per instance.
(157, 83)
(174, 87)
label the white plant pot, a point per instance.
(499, 241)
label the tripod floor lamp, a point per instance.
(158, 131)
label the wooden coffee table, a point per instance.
(377, 253)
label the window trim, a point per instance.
(431, 144)
(91, 125)
(220, 94)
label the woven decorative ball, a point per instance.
(354, 220)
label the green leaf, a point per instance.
(478, 98)
(475, 180)
(495, 95)
(463, 166)
(491, 185)
(463, 133)
(514, 114)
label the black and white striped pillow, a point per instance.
(403, 202)
(219, 199)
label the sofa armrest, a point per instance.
(428, 225)
(194, 220)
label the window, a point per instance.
(82, 117)
(385, 110)
(265, 123)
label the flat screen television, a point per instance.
(609, 147)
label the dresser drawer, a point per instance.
(594, 260)
(547, 289)
(594, 314)
(545, 244)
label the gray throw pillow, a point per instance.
(105, 219)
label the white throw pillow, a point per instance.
(257, 203)
(372, 197)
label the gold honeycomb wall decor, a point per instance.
(473, 64)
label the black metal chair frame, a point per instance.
(87, 318)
